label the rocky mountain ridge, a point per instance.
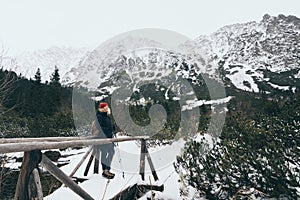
(246, 55)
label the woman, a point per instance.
(106, 129)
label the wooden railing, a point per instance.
(29, 144)
(29, 185)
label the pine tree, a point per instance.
(37, 76)
(54, 95)
(254, 156)
(55, 77)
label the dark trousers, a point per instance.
(107, 153)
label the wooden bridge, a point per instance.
(29, 185)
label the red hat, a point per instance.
(102, 105)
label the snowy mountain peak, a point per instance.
(27, 63)
(244, 49)
(242, 52)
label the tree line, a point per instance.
(34, 108)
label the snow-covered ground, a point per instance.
(130, 154)
(239, 74)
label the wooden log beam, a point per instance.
(30, 161)
(96, 162)
(151, 165)
(142, 159)
(44, 139)
(145, 153)
(62, 177)
(81, 161)
(86, 171)
(35, 187)
(29, 146)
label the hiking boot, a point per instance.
(112, 174)
(108, 174)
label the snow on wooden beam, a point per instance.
(44, 139)
(43, 145)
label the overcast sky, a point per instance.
(35, 24)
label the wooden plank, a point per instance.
(81, 161)
(96, 162)
(28, 146)
(35, 187)
(86, 171)
(61, 176)
(18, 185)
(142, 159)
(151, 165)
(30, 161)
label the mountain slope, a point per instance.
(250, 56)
(244, 50)
(27, 63)
(245, 54)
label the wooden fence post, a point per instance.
(81, 161)
(86, 171)
(96, 162)
(151, 165)
(145, 153)
(35, 187)
(30, 161)
(142, 159)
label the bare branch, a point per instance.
(7, 81)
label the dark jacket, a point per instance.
(105, 124)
